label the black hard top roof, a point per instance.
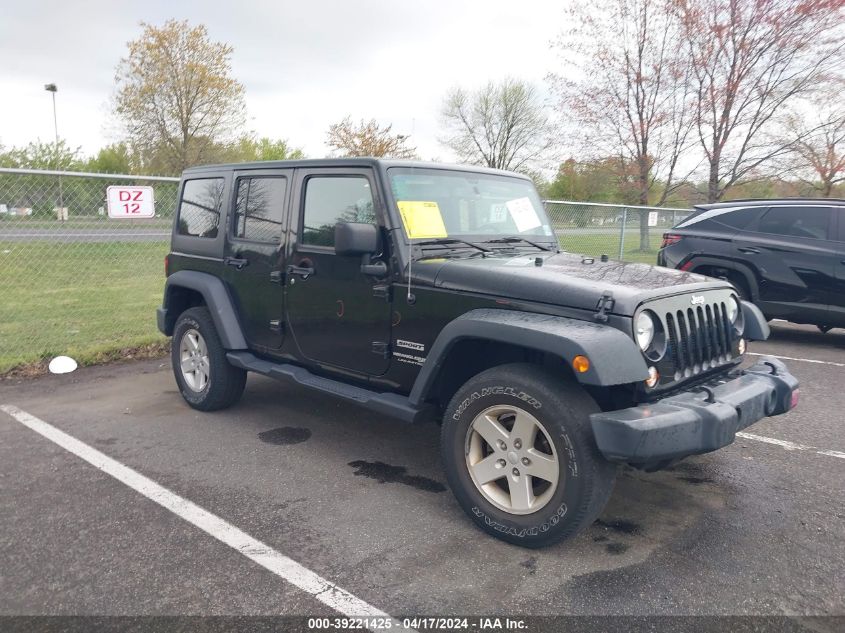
(383, 163)
(759, 202)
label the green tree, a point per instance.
(249, 148)
(176, 97)
(39, 155)
(117, 158)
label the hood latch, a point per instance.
(605, 304)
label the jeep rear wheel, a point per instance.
(520, 457)
(206, 379)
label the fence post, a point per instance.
(622, 233)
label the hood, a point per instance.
(562, 279)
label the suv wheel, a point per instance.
(520, 457)
(206, 379)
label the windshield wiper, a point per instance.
(445, 241)
(508, 239)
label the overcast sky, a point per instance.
(304, 64)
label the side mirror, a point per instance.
(356, 238)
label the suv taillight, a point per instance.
(166, 265)
(669, 239)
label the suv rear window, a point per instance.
(199, 211)
(806, 222)
(259, 207)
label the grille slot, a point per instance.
(699, 338)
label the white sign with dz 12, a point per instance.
(130, 202)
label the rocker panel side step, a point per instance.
(391, 404)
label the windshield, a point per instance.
(438, 203)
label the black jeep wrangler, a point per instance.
(438, 293)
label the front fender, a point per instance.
(216, 299)
(614, 357)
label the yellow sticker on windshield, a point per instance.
(422, 219)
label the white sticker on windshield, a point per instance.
(524, 216)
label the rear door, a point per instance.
(792, 250)
(337, 315)
(255, 256)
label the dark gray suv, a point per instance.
(787, 256)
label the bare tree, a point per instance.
(368, 138)
(175, 95)
(749, 59)
(625, 93)
(503, 126)
(817, 138)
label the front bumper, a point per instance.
(697, 421)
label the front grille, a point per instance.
(699, 338)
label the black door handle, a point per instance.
(750, 250)
(236, 262)
(302, 271)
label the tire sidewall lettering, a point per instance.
(522, 532)
(495, 391)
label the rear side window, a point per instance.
(740, 218)
(806, 222)
(333, 199)
(259, 209)
(199, 211)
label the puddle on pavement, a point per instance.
(385, 473)
(285, 435)
(620, 525)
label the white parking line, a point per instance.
(790, 446)
(288, 569)
(803, 360)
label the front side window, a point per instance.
(199, 211)
(333, 199)
(450, 203)
(259, 207)
(806, 222)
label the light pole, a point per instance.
(54, 89)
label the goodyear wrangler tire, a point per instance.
(520, 457)
(206, 379)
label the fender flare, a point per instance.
(756, 326)
(217, 301)
(614, 357)
(729, 264)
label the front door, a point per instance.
(255, 256)
(791, 246)
(337, 315)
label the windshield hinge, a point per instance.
(382, 291)
(605, 304)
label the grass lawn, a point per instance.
(595, 245)
(81, 299)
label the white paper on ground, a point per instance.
(62, 365)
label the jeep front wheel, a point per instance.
(520, 456)
(206, 379)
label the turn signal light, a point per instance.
(793, 401)
(653, 377)
(581, 364)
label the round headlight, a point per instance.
(733, 310)
(644, 330)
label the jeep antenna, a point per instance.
(410, 298)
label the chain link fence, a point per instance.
(74, 282)
(625, 232)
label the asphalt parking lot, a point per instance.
(360, 500)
